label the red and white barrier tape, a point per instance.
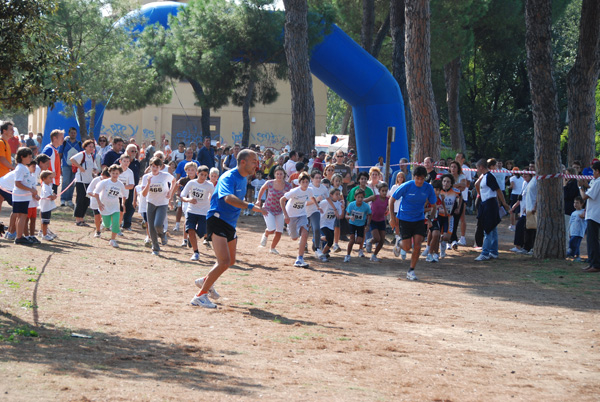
(65, 189)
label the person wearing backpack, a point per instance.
(84, 163)
(68, 149)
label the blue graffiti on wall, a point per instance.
(188, 135)
(126, 131)
(268, 139)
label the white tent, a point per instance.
(323, 143)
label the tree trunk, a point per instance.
(92, 119)
(296, 53)
(205, 118)
(382, 33)
(550, 238)
(368, 24)
(80, 110)
(346, 120)
(452, 78)
(246, 113)
(581, 86)
(397, 27)
(418, 80)
(351, 136)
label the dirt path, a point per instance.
(510, 329)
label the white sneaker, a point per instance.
(207, 243)
(184, 243)
(454, 245)
(462, 241)
(494, 256)
(436, 258)
(120, 234)
(397, 248)
(202, 301)
(442, 253)
(361, 253)
(263, 240)
(97, 234)
(195, 257)
(374, 258)
(274, 251)
(211, 292)
(443, 246)
(319, 253)
(429, 258)
(114, 243)
(300, 262)
(425, 252)
(410, 275)
(403, 254)
(176, 228)
(155, 252)
(511, 228)
(336, 248)
(515, 249)
(323, 258)
(369, 246)
(47, 237)
(347, 258)
(102, 227)
(482, 257)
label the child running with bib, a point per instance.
(328, 216)
(196, 194)
(93, 202)
(108, 193)
(190, 168)
(295, 214)
(358, 214)
(379, 209)
(398, 250)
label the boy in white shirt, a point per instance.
(197, 194)
(257, 184)
(127, 178)
(24, 191)
(328, 215)
(93, 202)
(295, 214)
(47, 203)
(191, 169)
(108, 193)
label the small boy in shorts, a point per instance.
(358, 214)
(191, 168)
(435, 220)
(93, 202)
(328, 216)
(577, 228)
(295, 214)
(197, 194)
(47, 203)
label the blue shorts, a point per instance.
(7, 197)
(20, 207)
(197, 223)
(378, 225)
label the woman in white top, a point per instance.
(158, 188)
(592, 216)
(84, 163)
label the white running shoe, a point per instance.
(206, 243)
(482, 257)
(397, 247)
(203, 301)
(361, 253)
(436, 258)
(120, 234)
(410, 275)
(274, 251)
(494, 256)
(300, 262)
(176, 228)
(442, 253)
(336, 248)
(462, 241)
(425, 252)
(347, 258)
(403, 254)
(97, 234)
(369, 246)
(374, 258)
(454, 245)
(429, 258)
(263, 240)
(211, 292)
(155, 252)
(319, 253)
(184, 243)
(195, 257)
(47, 237)
(114, 243)
(515, 249)
(323, 258)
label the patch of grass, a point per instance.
(246, 304)
(343, 338)
(277, 320)
(31, 280)
(29, 270)
(241, 274)
(14, 335)
(12, 284)
(27, 304)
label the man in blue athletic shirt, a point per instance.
(225, 206)
(414, 195)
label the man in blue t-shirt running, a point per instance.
(225, 206)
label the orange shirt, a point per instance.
(4, 151)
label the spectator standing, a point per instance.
(68, 149)
(112, 156)
(206, 155)
(591, 192)
(179, 154)
(6, 166)
(230, 160)
(52, 150)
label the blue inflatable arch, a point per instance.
(343, 66)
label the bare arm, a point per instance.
(6, 162)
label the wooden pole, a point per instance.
(391, 137)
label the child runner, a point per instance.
(93, 202)
(411, 215)
(452, 211)
(435, 221)
(158, 194)
(190, 169)
(295, 214)
(127, 178)
(197, 194)
(358, 214)
(33, 206)
(379, 210)
(141, 204)
(225, 206)
(398, 250)
(257, 183)
(336, 182)
(577, 228)
(274, 218)
(108, 194)
(328, 216)
(47, 203)
(320, 192)
(23, 191)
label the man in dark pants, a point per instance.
(206, 155)
(134, 165)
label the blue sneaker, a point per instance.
(11, 236)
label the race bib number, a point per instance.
(113, 192)
(198, 194)
(156, 188)
(298, 205)
(330, 215)
(357, 215)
